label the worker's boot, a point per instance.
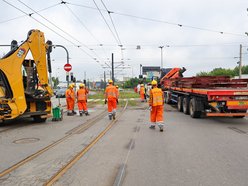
(80, 113)
(114, 116)
(110, 116)
(87, 113)
(70, 114)
(152, 127)
(161, 127)
(73, 112)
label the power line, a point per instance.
(109, 13)
(163, 21)
(99, 10)
(48, 28)
(82, 24)
(11, 19)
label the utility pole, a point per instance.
(161, 47)
(113, 78)
(240, 62)
(104, 79)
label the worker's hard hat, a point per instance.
(116, 86)
(110, 81)
(71, 86)
(81, 85)
(154, 82)
(142, 85)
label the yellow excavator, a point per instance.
(24, 83)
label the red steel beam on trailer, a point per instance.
(226, 114)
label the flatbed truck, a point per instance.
(206, 95)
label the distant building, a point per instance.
(150, 71)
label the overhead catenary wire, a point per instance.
(50, 29)
(85, 27)
(109, 13)
(165, 22)
(99, 10)
(53, 24)
(18, 17)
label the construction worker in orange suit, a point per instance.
(156, 103)
(111, 97)
(117, 100)
(82, 96)
(70, 100)
(142, 92)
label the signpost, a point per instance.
(67, 67)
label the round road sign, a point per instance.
(67, 67)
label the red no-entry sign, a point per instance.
(67, 67)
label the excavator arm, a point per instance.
(13, 99)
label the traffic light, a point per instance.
(71, 76)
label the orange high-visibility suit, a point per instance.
(156, 102)
(142, 93)
(82, 100)
(117, 93)
(111, 95)
(70, 99)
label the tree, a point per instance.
(55, 82)
(133, 82)
(224, 72)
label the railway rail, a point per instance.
(77, 130)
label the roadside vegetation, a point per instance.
(224, 72)
(124, 94)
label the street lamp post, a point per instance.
(161, 47)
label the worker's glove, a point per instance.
(105, 101)
(150, 108)
(117, 101)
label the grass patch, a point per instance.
(125, 94)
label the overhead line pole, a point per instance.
(240, 62)
(113, 78)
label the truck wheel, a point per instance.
(38, 119)
(186, 105)
(166, 98)
(192, 109)
(180, 104)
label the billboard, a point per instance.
(150, 71)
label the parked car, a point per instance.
(60, 93)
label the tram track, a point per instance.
(79, 155)
(9, 175)
(82, 127)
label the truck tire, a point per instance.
(180, 104)
(192, 109)
(186, 105)
(39, 119)
(167, 97)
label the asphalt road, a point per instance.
(207, 151)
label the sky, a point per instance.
(199, 35)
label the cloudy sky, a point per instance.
(196, 34)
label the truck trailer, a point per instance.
(206, 95)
